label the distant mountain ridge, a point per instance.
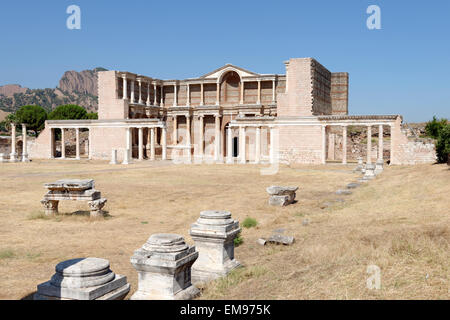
(74, 88)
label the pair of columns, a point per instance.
(152, 139)
(344, 143)
(242, 145)
(132, 95)
(13, 154)
(258, 101)
(217, 137)
(77, 143)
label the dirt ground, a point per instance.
(399, 222)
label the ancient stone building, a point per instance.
(229, 115)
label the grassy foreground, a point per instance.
(399, 222)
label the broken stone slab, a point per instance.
(83, 279)
(281, 196)
(164, 269)
(353, 185)
(343, 192)
(70, 185)
(369, 174)
(261, 241)
(281, 239)
(213, 234)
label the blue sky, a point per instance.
(404, 68)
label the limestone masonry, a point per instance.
(229, 115)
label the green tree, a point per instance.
(434, 127)
(443, 144)
(92, 116)
(33, 116)
(68, 112)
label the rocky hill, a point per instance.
(74, 88)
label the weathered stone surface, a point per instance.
(281, 239)
(214, 234)
(83, 279)
(369, 174)
(50, 207)
(96, 207)
(281, 196)
(113, 156)
(343, 192)
(2, 158)
(360, 165)
(70, 185)
(378, 167)
(164, 267)
(279, 191)
(261, 241)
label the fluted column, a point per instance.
(380, 142)
(258, 145)
(13, 154)
(63, 144)
(324, 144)
(201, 137)
(273, 92)
(175, 133)
(201, 95)
(175, 94)
(141, 144)
(229, 146)
(344, 144)
(188, 137)
(242, 92)
(218, 94)
(155, 101)
(125, 93)
(140, 91)
(217, 138)
(188, 98)
(152, 143)
(162, 96)
(259, 92)
(164, 143)
(132, 91)
(369, 144)
(24, 143)
(242, 143)
(148, 94)
(77, 142)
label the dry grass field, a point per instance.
(400, 222)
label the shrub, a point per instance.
(92, 116)
(33, 116)
(434, 127)
(238, 240)
(443, 144)
(249, 223)
(68, 112)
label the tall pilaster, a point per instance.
(273, 92)
(141, 143)
(13, 154)
(125, 93)
(175, 95)
(369, 144)
(162, 96)
(63, 144)
(242, 92)
(132, 92)
(188, 95)
(258, 145)
(155, 101)
(175, 132)
(259, 92)
(202, 95)
(148, 94)
(77, 142)
(140, 91)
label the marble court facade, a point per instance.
(230, 115)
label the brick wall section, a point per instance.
(41, 148)
(321, 93)
(300, 144)
(103, 140)
(109, 106)
(339, 93)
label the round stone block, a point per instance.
(215, 217)
(165, 243)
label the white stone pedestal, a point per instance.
(360, 165)
(164, 269)
(281, 196)
(379, 166)
(214, 234)
(83, 279)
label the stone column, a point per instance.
(188, 137)
(258, 145)
(369, 144)
(113, 156)
(77, 147)
(152, 143)
(125, 93)
(13, 154)
(392, 145)
(229, 146)
(164, 269)
(63, 144)
(90, 144)
(273, 92)
(52, 143)
(132, 91)
(175, 93)
(164, 143)
(141, 143)
(344, 144)
(148, 94)
(201, 95)
(140, 91)
(128, 153)
(188, 95)
(24, 143)
(218, 94)
(242, 92)
(175, 133)
(213, 234)
(324, 144)
(272, 145)
(380, 143)
(162, 96)
(242, 145)
(259, 92)
(217, 138)
(201, 137)
(155, 101)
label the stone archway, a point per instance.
(230, 88)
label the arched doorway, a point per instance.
(230, 88)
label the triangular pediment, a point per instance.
(228, 67)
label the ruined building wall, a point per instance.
(321, 89)
(109, 105)
(339, 93)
